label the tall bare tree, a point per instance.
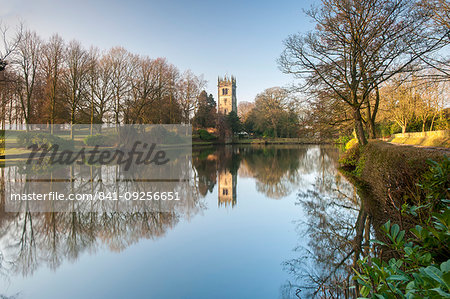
(51, 63)
(27, 60)
(189, 88)
(8, 44)
(356, 46)
(77, 67)
(401, 99)
(100, 78)
(119, 60)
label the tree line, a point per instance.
(273, 113)
(53, 81)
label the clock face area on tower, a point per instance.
(227, 101)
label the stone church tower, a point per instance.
(227, 101)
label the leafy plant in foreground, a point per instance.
(422, 266)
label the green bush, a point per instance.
(100, 140)
(350, 158)
(416, 274)
(25, 139)
(206, 136)
(161, 135)
(343, 139)
(422, 269)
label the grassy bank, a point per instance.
(434, 138)
(389, 176)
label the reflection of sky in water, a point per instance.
(218, 252)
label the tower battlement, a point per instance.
(226, 80)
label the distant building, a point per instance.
(227, 100)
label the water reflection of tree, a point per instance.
(205, 164)
(323, 268)
(49, 238)
(275, 168)
(32, 239)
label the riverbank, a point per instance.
(388, 176)
(404, 193)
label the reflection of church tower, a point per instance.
(227, 101)
(227, 188)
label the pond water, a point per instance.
(267, 222)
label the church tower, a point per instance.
(227, 101)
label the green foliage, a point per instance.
(160, 134)
(415, 125)
(436, 182)
(388, 128)
(343, 139)
(234, 122)
(351, 156)
(442, 123)
(416, 274)
(25, 139)
(360, 166)
(205, 135)
(100, 140)
(422, 269)
(205, 115)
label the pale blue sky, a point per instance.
(209, 37)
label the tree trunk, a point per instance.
(432, 122)
(371, 128)
(72, 121)
(92, 114)
(359, 129)
(372, 118)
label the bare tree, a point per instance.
(100, 78)
(145, 88)
(400, 101)
(9, 44)
(189, 88)
(119, 61)
(51, 63)
(356, 46)
(244, 109)
(439, 11)
(77, 66)
(27, 61)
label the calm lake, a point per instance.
(267, 222)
